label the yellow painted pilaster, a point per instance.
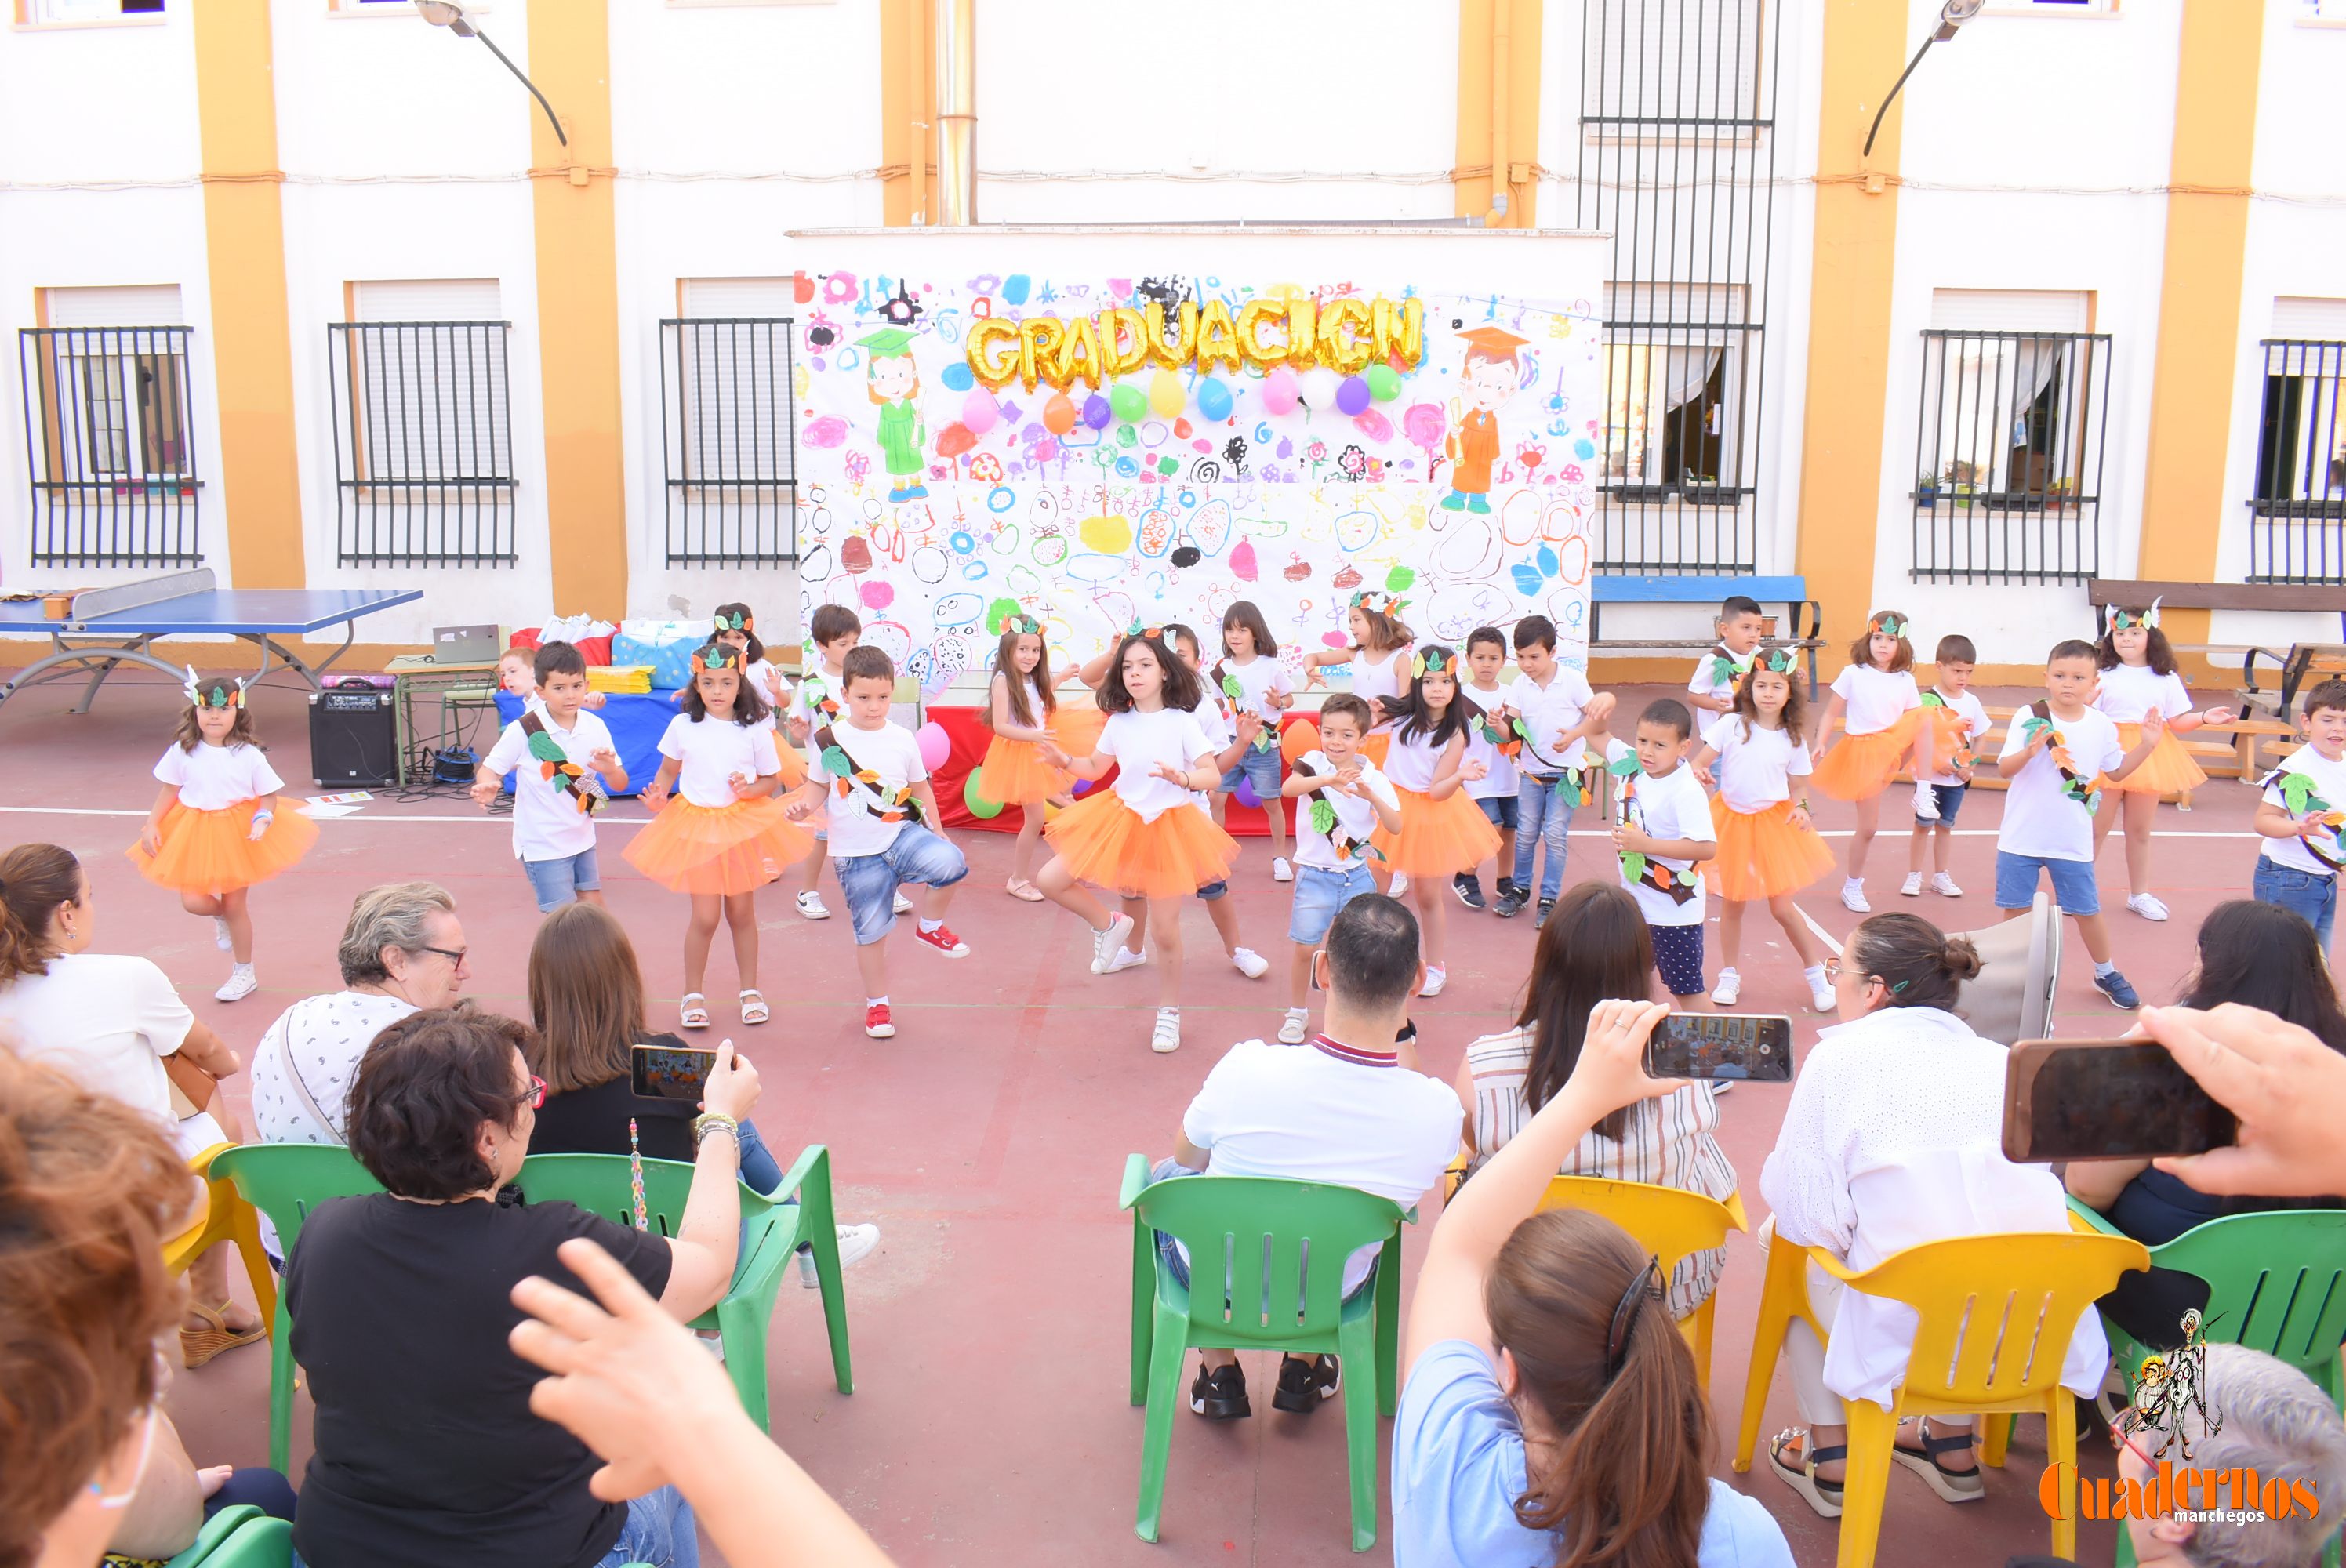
(258, 487)
(1498, 110)
(907, 94)
(578, 304)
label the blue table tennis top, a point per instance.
(246, 610)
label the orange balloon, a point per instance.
(1059, 414)
(1297, 740)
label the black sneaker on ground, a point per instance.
(1219, 1396)
(2115, 986)
(1539, 918)
(1303, 1385)
(1510, 905)
(1469, 889)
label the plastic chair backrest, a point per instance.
(1996, 1310)
(287, 1181)
(1667, 1221)
(2012, 998)
(2277, 1282)
(1266, 1256)
(604, 1185)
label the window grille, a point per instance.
(423, 443)
(2010, 433)
(2297, 524)
(108, 446)
(730, 440)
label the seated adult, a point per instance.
(174, 1498)
(1593, 947)
(402, 951)
(1348, 1106)
(1893, 1138)
(1550, 1411)
(2260, 956)
(114, 1023)
(426, 1449)
(586, 999)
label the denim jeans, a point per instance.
(1541, 819)
(659, 1531)
(757, 1165)
(2299, 892)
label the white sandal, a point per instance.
(690, 1016)
(754, 1008)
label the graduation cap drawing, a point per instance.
(887, 344)
(1495, 343)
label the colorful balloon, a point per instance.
(980, 412)
(1353, 395)
(1385, 383)
(984, 810)
(1320, 384)
(934, 743)
(1165, 397)
(1059, 414)
(1298, 740)
(1128, 403)
(1280, 391)
(1214, 398)
(1244, 794)
(1097, 412)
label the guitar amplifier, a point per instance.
(353, 737)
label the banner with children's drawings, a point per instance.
(1100, 450)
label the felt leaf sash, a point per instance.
(2074, 785)
(554, 765)
(2303, 800)
(861, 786)
(1329, 825)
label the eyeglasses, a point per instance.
(1834, 971)
(536, 1093)
(453, 955)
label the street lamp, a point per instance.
(1952, 16)
(449, 15)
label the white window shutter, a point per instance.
(2010, 310)
(142, 305)
(2316, 320)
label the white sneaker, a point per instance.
(1729, 989)
(241, 983)
(1105, 943)
(1912, 886)
(1125, 959)
(811, 905)
(1926, 803)
(1820, 993)
(1249, 962)
(1167, 1036)
(1400, 885)
(1436, 977)
(1294, 1026)
(1720, 1086)
(1853, 897)
(904, 905)
(221, 937)
(1280, 872)
(855, 1244)
(2147, 905)
(1944, 884)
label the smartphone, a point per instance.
(2106, 1100)
(1752, 1045)
(670, 1072)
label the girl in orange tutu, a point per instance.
(1443, 831)
(215, 829)
(738, 628)
(1767, 849)
(721, 835)
(1022, 707)
(2139, 676)
(1149, 837)
(1884, 709)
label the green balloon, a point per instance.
(979, 806)
(1384, 383)
(1128, 403)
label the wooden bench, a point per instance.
(1792, 593)
(2292, 668)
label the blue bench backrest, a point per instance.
(1616, 590)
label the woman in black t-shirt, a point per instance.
(426, 1449)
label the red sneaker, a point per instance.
(944, 940)
(876, 1023)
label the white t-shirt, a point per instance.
(1412, 762)
(857, 817)
(547, 823)
(1213, 716)
(823, 686)
(1140, 741)
(2127, 691)
(1670, 807)
(1498, 782)
(1706, 681)
(1259, 679)
(1753, 770)
(214, 778)
(762, 677)
(106, 1020)
(712, 751)
(1355, 819)
(2039, 818)
(1548, 711)
(1876, 697)
(2329, 785)
(1975, 724)
(1304, 1112)
(324, 1036)
(1379, 677)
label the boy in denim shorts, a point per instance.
(564, 769)
(1343, 799)
(1934, 835)
(2297, 866)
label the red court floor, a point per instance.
(989, 1423)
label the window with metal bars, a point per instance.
(423, 443)
(108, 445)
(729, 437)
(2010, 434)
(2297, 525)
(1677, 160)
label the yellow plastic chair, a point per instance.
(226, 1217)
(1997, 1312)
(1669, 1222)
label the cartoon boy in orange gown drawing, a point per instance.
(1487, 379)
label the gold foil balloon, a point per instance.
(1038, 350)
(1399, 328)
(1218, 338)
(1345, 343)
(1079, 355)
(1165, 397)
(1177, 353)
(1302, 334)
(1123, 342)
(1257, 344)
(992, 350)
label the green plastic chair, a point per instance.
(601, 1184)
(239, 1537)
(1247, 1238)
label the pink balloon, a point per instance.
(1280, 391)
(934, 745)
(979, 411)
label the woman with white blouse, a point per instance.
(1895, 1138)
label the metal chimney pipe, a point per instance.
(956, 113)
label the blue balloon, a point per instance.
(957, 377)
(1213, 399)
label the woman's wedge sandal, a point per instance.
(198, 1346)
(1951, 1485)
(1822, 1495)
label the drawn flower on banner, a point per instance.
(1352, 463)
(858, 465)
(986, 468)
(1530, 455)
(1316, 453)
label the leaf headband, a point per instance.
(1887, 624)
(1420, 667)
(739, 621)
(1775, 661)
(220, 694)
(2126, 620)
(716, 656)
(1154, 634)
(1380, 602)
(1024, 625)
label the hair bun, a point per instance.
(1960, 959)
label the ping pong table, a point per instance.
(104, 628)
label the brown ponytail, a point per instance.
(1920, 965)
(1629, 1485)
(36, 880)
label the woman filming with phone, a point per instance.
(1895, 1138)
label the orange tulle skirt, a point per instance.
(209, 852)
(1375, 747)
(1077, 729)
(2168, 770)
(1104, 842)
(1860, 767)
(793, 761)
(1762, 855)
(1015, 774)
(1437, 838)
(721, 849)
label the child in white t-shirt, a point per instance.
(565, 769)
(1664, 830)
(2303, 807)
(1719, 672)
(1342, 800)
(1253, 682)
(2138, 674)
(1494, 744)
(1957, 719)
(832, 631)
(1877, 695)
(1552, 710)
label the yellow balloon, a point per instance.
(1165, 397)
(1345, 327)
(1038, 350)
(1078, 359)
(1216, 338)
(1302, 334)
(1398, 326)
(992, 351)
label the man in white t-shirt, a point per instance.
(2297, 866)
(565, 767)
(1665, 830)
(2057, 754)
(1348, 1107)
